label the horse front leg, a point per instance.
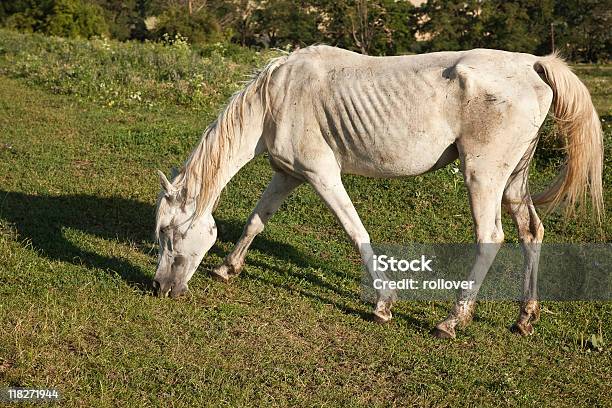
(277, 191)
(328, 184)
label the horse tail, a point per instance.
(582, 138)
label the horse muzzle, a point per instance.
(165, 288)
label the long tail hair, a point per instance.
(582, 137)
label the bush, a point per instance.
(199, 27)
(65, 18)
(75, 18)
(22, 22)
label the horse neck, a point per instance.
(246, 144)
(250, 145)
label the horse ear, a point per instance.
(165, 184)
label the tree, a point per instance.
(74, 18)
(123, 17)
(25, 15)
(378, 27)
(449, 24)
(282, 23)
(400, 22)
(582, 29)
(67, 18)
(199, 27)
(520, 25)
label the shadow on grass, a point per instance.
(230, 230)
(43, 219)
(343, 304)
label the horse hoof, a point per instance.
(220, 273)
(522, 329)
(381, 318)
(382, 311)
(441, 333)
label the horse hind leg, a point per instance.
(487, 163)
(517, 202)
(490, 151)
(485, 195)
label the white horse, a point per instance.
(322, 111)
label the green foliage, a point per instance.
(378, 27)
(65, 18)
(22, 22)
(516, 26)
(25, 15)
(123, 18)
(76, 18)
(579, 28)
(115, 73)
(582, 29)
(519, 25)
(449, 25)
(199, 27)
(284, 23)
(400, 19)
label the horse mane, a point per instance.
(206, 164)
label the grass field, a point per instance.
(77, 193)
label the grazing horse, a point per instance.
(321, 111)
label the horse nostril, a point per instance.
(161, 288)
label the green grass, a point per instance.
(77, 192)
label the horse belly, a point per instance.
(404, 155)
